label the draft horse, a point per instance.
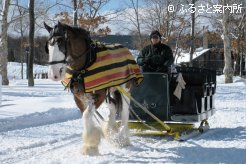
(91, 71)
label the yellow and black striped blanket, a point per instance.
(114, 66)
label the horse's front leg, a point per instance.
(92, 132)
(120, 135)
(109, 127)
(124, 133)
(79, 99)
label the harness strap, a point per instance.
(139, 119)
(168, 129)
(90, 55)
(57, 62)
(76, 78)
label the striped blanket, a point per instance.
(114, 66)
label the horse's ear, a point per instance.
(46, 48)
(62, 25)
(88, 33)
(65, 27)
(47, 27)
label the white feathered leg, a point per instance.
(92, 132)
(109, 127)
(123, 133)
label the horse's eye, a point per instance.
(59, 41)
(52, 42)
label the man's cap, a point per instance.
(155, 32)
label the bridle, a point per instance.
(90, 51)
(51, 41)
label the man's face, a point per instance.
(155, 39)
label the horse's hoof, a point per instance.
(124, 142)
(91, 151)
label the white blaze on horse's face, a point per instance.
(56, 72)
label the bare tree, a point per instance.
(88, 14)
(75, 13)
(31, 43)
(21, 25)
(90, 17)
(231, 25)
(178, 35)
(228, 69)
(192, 47)
(238, 23)
(4, 43)
(157, 15)
(133, 15)
(135, 6)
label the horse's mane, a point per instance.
(79, 31)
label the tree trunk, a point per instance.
(192, 47)
(4, 44)
(228, 70)
(31, 43)
(237, 58)
(168, 22)
(138, 25)
(21, 58)
(205, 38)
(75, 13)
(22, 41)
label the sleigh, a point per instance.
(97, 73)
(155, 110)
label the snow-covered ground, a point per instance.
(42, 124)
(14, 70)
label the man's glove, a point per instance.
(156, 59)
(146, 60)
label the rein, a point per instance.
(89, 54)
(64, 61)
(78, 75)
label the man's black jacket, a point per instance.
(155, 58)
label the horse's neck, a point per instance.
(79, 63)
(78, 54)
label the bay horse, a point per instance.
(91, 71)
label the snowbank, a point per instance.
(185, 57)
(14, 70)
(51, 116)
(237, 80)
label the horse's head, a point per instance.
(64, 46)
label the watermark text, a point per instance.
(209, 9)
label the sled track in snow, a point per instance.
(54, 115)
(25, 150)
(55, 146)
